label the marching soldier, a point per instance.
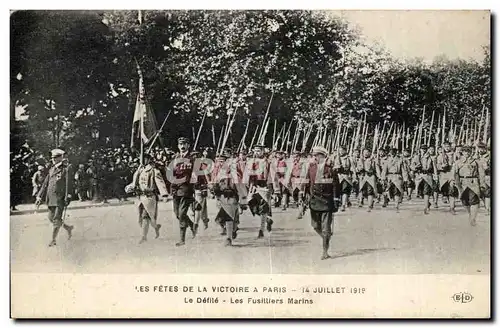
(425, 170)
(283, 190)
(469, 178)
(435, 195)
(382, 158)
(395, 175)
(182, 189)
(201, 194)
(37, 180)
(367, 168)
(323, 196)
(261, 190)
(148, 184)
(344, 167)
(55, 192)
(444, 163)
(356, 155)
(410, 184)
(485, 161)
(231, 193)
(81, 183)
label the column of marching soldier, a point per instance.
(240, 181)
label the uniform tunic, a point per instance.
(148, 183)
(485, 162)
(37, 181)
(394, 172)
(55, 188)
(367, 168)
(183, 192)
(229, 190)
(259, 202)
(424, 168)
(469, 178)
(444, 163)
(323, 197)
(345, 168)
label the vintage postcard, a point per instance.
(250, 164)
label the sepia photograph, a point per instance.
(250, 163)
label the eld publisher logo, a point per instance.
(462, 298)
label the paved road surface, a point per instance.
(106, 239)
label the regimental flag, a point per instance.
(144, 125)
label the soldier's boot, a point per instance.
(397, 199)
(195, 228)
(235, 230)
(192, 227)
(157, 231)
(145, 229)
(446, 200)
(452, 205)
(427, 204)
(386, 201)
(285, 201)
(230, 228)
(224, 231)
(326, 246)
(349, 204)
(435, 200)
(474, 209)
(269, 224)
(487, 203)
(69, 230)
(263, 219)
(55, 232)
(205, 224)
(370, 203)
(344, 202)
(410, 191)
(183, 237)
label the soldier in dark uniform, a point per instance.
(55, 192)
(201, 192)
(324, 199)
(182, 189)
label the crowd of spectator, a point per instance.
(100, 176)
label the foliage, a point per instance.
(79, 73)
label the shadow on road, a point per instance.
(362, 251)
(274, 243)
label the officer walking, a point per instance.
(324, 194)
(55, 192)
(182, 189)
